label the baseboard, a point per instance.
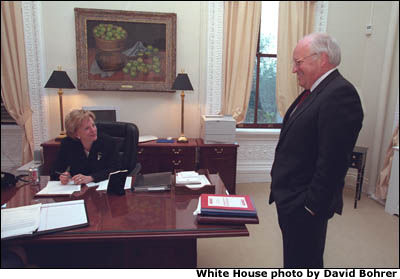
(250, 174)
(247, 175)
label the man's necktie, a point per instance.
(302, 98)
(305, 95)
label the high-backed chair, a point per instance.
(126, 136)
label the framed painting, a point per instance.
(124, 50)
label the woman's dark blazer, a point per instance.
(103, 158)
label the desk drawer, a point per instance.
(218, 152)
(166, 158)
(220, 159)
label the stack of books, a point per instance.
(226, 209)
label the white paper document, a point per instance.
(147, 138)
(103, 184)
(41, 218)
(62, 214)
(218, 201)
(20, 220)
(56, 188)
(198, 209)
(191, 179)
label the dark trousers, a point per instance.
(303, 239)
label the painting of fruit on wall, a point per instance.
(120, 50)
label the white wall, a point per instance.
(155, 113)
(364, 63)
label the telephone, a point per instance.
(8, 179)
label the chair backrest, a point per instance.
(126, 136)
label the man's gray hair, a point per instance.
(322, 42)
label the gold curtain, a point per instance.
(296, 19)
(241, 26)
(384, 177)
(14, 78)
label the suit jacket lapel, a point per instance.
(289, 119)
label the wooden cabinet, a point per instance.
(160, 157)
(220, 158)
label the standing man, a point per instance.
(318, 134)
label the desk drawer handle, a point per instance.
(140, 151)
(219, 151)
(176, 151)
(176, 163)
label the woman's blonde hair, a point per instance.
(74, 120)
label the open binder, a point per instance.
(40, 218)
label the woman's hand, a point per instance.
(64, 177)
(82, 179)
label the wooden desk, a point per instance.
(138, 230)
(358, 160)
(160, 157)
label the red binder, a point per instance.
(227, 205)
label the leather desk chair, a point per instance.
(126, 136)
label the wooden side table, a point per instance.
(358, 159)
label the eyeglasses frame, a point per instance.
(296, 63)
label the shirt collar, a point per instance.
(321, 78)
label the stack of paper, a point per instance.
(147, 138)
(191, 179)
(55, 188)
(218, 129)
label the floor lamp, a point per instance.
(182, 82)
(59, 79)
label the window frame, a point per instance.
(259, 56)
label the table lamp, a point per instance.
(182, 82)
(59, 79)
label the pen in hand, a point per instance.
(63, 174)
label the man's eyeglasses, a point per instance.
(298, 62)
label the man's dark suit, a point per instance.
(313, 153)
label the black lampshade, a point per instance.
(182, 82)
(59, 79)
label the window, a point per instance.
(263, 97)
(6, 118)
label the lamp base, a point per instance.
(61, 136)
(182, 139)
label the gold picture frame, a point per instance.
(125, 50)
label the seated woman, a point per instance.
(84, 156)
